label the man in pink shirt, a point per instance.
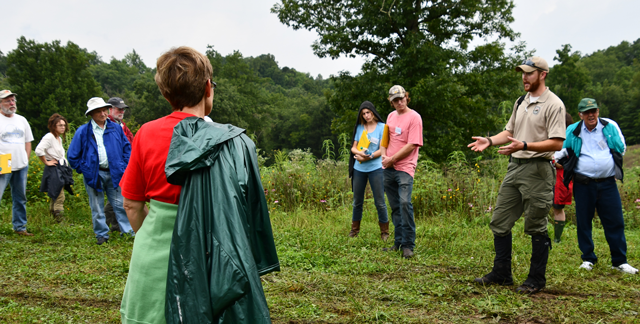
(399, 163)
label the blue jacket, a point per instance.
(573, 145)
(83, 153)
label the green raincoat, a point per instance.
(222, 240)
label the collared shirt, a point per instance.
(595, 159)
(98, 132)
(536, 121)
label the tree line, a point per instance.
(459, 91)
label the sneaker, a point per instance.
(626, 268)
(25, 233)
(101, 240)
(587, 265)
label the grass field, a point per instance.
(61, 276)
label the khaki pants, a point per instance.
(527, 188)
(58, 203)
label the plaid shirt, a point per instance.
(102, 152)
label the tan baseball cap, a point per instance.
(396, 92)
(533, 63)
(6, 93)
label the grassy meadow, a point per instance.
(61, 276)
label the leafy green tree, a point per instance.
(51, 78)
(569, 79)
(423, 46)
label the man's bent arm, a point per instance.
(550, 145)
(389, 161)
(136, 212)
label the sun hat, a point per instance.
(95, 103)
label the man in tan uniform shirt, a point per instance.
(535, 131)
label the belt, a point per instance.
(524, 161)
(583, 179)
(104, 169)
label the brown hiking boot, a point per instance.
(407, 253)
(355, 229)
(58, 216)
(384, 231)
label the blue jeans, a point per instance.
(376, 181)
(605, 198)
(96, 202)
(398, 185)
(18, 182)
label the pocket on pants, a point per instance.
(536, 214)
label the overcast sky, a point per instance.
(114, 28)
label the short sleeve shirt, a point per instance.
(537, 121)
(404, 129)
(15, 132)
(375, 138)
(145, 178)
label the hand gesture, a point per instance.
(515, 146)
(480, 144)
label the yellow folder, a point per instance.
(363, 143)
(5, 163)
(385, 137)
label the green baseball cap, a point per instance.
(587, 104)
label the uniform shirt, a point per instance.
(98, 132)
(595, 159)
(537, 121)
(404, 129)
(15, 132)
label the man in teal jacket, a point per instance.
(593, 154)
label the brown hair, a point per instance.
(568, 119)
(406, 95)
(181, 76)
(53, 121)
(361, 119)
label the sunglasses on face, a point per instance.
(213, 84)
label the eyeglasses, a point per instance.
(213, 84)
(397, 99)
(532, 64)
(12, 99)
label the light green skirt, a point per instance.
(144, 295)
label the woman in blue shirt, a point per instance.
(366, 165)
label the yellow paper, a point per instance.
(363, 143)
(385, 137)
(5, 163)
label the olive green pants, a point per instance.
(58, 203)
(527, 188)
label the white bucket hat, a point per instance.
(95, 103)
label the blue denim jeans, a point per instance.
(96, 202)
(605, 198)
(398, 186)
(18, 182)
(376, 181)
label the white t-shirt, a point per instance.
(14, 133)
